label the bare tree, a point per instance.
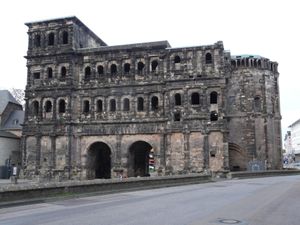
(19, 95)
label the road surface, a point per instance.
(260, 201)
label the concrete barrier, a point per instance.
(38, 192)
(267, 173)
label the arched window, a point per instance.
(154, 65)
(213, 116)
(177, 59)
(126, 68)
(113, 69)
(99, 105)
(112, 105)
(65, 37)
(35, 108)
(195, 98)
(37, 40)
(61, 106)
(141, 66)
(48, 106)
(87, 73)
(49, 73)
(126, 104)
(208, 58)
(257, 104)
(154, 103)
(100, 70)
(233, 63)
(213, 97)
(51, 39)
(177, 99)
(140, 104)
(63, 72)
(86, 106)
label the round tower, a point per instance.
(253, 114)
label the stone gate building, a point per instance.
(94, 111)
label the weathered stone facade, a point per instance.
(95, 111)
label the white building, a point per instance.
(295, 138)
(288, 143)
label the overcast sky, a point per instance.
(266, 28)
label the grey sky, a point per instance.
(266, 28)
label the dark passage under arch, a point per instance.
(237, 158)
(139, 159)
(99, 161)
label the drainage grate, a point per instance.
(229, 221)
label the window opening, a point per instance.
(37, 41)
(63, 72)
(177, 59)
(177, 99)
(99, 105)
(62, 106)
(154, 65)
(35, 108)
(48, 106)
(208, 58)
(113, 69)
(140, 106)
(65, 37)
(141, 66)
(177, 116)
(51, 39)
(257, 104)
(213, 97)
(86, 106)
(36, 75)
(195, 98)
(87, 73)
(126, 104)
(154, 103)
(126, 68)
(100, 70)
(112, 105)
(50, 72)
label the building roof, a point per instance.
(293, 124)
(69, 18)
(8, 134)
(145, 45)
(14, 120)
(5, 98)
(246, 56)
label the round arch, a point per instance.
(237, 158)
(140, 154)
(98, 161)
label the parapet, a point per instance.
(253, 61)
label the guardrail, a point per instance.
(267, 173)
(37, 191)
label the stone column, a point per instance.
(206, 152)
(186, 147)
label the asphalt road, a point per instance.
(260, 201)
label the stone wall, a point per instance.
(87, 102)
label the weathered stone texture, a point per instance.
(98, 111)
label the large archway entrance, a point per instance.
(138, 161)
(99, 161)
(237, 158)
